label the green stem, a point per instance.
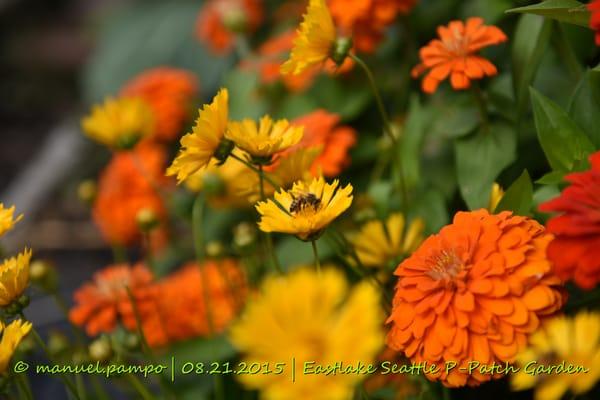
(197, 231)
(387, 127)
(316, 254)
(565, 51)
(268, 238)
(70, 387)
(23, 386)
(482, 106)
(139, 387)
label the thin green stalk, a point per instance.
(316, 254)
(23, 386)
(268, 239)
(139, 387)
(69, 385)
(197, 231)
(482, 106)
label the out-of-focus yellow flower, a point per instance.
(313, 318)
(14, 277)
(495, 196)
(206, 141)
(119, 123)
(310, 206)
(378, 244)
(11, 337)
(315, 39)
(264, 139)
(574, 341)
(8, 219)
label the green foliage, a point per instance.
(479, 161)
(570, 11)
(584, 107)
(518, 197)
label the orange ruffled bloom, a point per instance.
(366, 20)
(100, 304)
(594, 7)
(454, 54)
(169, 92)
(474, 292)
(322, 129)
(180, 310)
(575, 251)
(218, 19)
(127, 186)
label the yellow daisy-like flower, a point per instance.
(379, 245)
(264, 139)
(495, 196)
(309, 208)
(568, 342)
(317, 320)
(7, 219)
(314, 41)
(119, 123)
(206, 141)
(11, 337)
(14, 276)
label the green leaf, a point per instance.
(454, 119)
(570, 11)
(563, 142)
(490, 10)
(552, 178)
(343, 98)
(531, 39)
(584, 107)
(412, 140)
(293, 252)
(479, 161)
(430, 206)
(518, 197)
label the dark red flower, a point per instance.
(575, 250)
(594, 7)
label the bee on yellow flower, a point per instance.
(381, 244)
(261, 141)
(11, 337)
(7, 218)
(316, 319)
(309, 207)
(316, 41)
(562, 341)
(14, 277)
(119, 123)
(206, 141)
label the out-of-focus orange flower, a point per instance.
(219, 20)
(129, 184)
(102, 303)
(275, 50)
(169, 92)
(474, 292)
(180, 310)
(366, 20)
(454, 55)
(594, 7)
(575, 251)
(322, 129)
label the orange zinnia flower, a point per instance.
(169, 92)
(594, 7)
(180, 311)
(474, 292)
(129, 184)
(102, 303)
(322, 129)
(454, 54)
(366, 20)
(220, 19)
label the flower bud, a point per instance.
(235, 20)
(58, 343)
(43, 273)
(244, 235)
(146, 219)
(101, 349)
(214, 249)
(341, 50)
(86, 191)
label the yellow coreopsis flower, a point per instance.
(317, 320)
(309, 208)
(119, 123)
(11, 337)
(206, 141)
(569, 342)
(264, 139)
(315, 39)
(378, 244)
(7, 219)
(14, 277)
(495, 196)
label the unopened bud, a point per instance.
(101, 349)
(58, 343)
(244, 234)
(86, 191)
(146, 219)
(214, 249)
(235, 20)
